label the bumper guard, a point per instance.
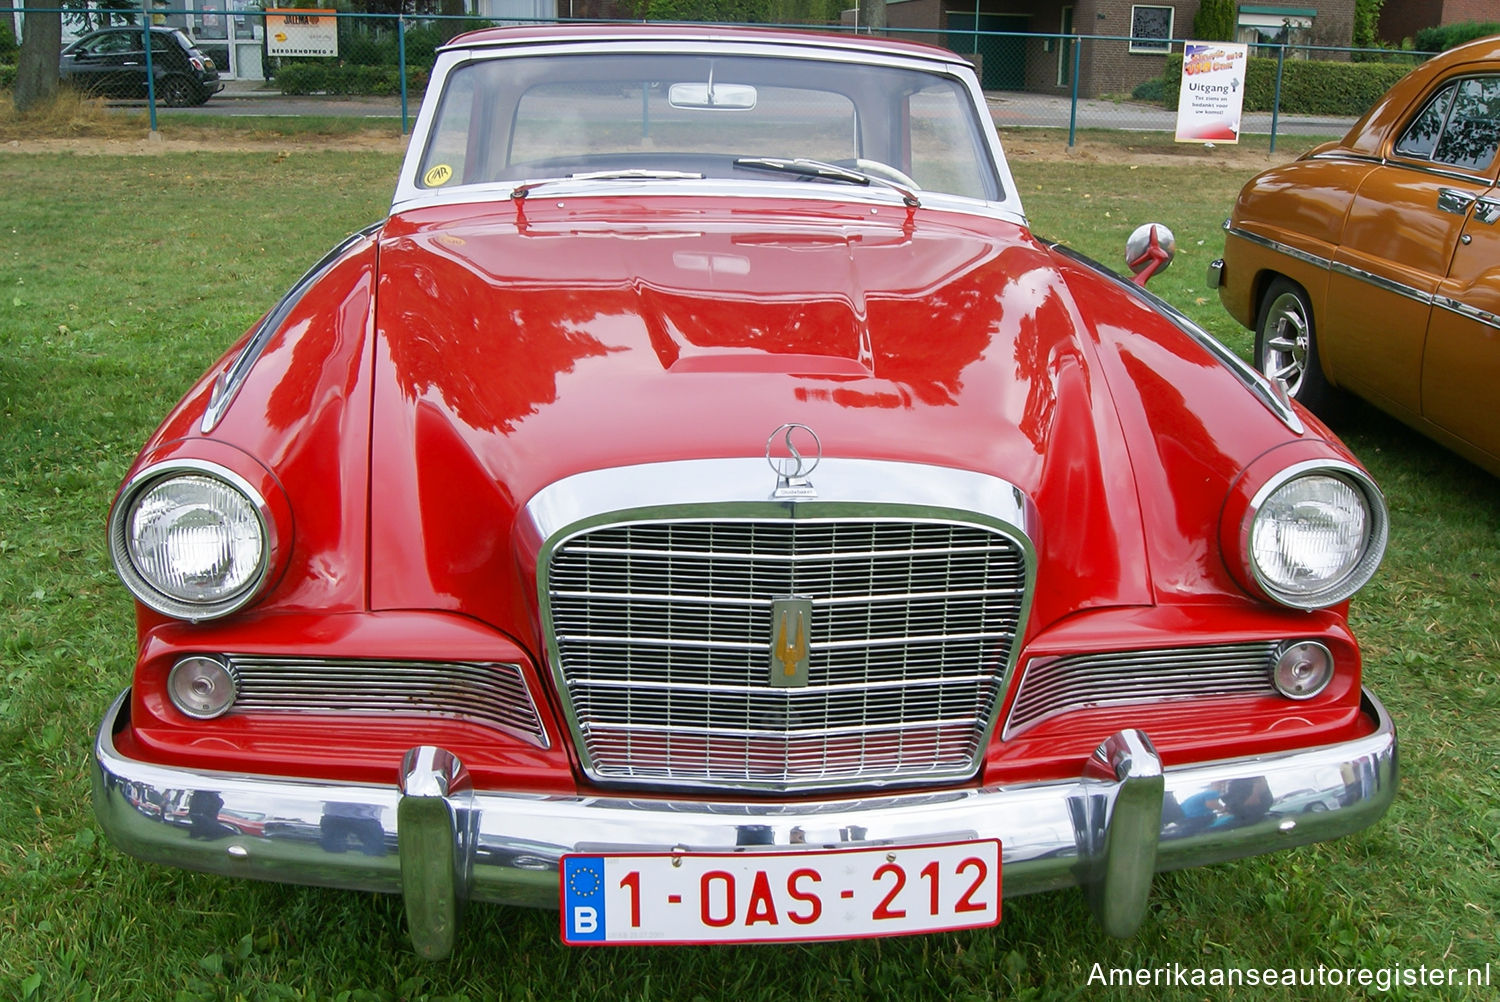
(439, 842)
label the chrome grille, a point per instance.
(663, 640)
(1053, 686)
(492, 694)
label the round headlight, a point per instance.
(191, 542)
(1316, 535)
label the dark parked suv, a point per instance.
(111, 62)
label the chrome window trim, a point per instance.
(231, 379)
(741, 489)
(409, 194)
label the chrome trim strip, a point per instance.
(1050, 687)
(1466, 311)
(1277, 246)
(1274, 397)
(491, 694)
(845, 486)
(230, 380)
(1384, 284)
(1336, 267)
(1446, 173)
(347, 835)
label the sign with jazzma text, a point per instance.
(1212, 93)
(292, 32)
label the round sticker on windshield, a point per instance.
(438, 176)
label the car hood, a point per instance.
(528, 342)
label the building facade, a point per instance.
(1115, 45)
(1402, 19)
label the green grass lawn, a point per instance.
(121, 278)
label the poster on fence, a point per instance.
(301, 32)
(1212, 93)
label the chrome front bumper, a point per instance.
(432, 837)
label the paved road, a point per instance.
(1011, 109)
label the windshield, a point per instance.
(669, 115)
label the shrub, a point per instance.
(8, 45)
(7, 76)
(1445, 37)
(1153, 90)
(1308, 87)
(343, 79)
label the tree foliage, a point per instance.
(1367, 23)
(1445, 37)
(739, 11)
(1216, 21)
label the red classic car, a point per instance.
(704, 507)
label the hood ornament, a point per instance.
(793, 452)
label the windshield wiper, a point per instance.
(804, 167)
(624, 174)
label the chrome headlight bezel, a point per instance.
(124, 549)
(1353, 574)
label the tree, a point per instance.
(1216, 21)
(1366, 23)
(36, 69)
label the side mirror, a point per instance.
(1149, 251)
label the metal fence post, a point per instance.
(1073, 105)
(401, 66)
(150, 73)
(1276, 97)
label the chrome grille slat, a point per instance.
(1052, 687)
(493, 694)
(662, 637)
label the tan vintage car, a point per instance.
(1372, 265)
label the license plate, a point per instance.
(745, 897)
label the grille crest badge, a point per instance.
(793, 464)
(790, 620)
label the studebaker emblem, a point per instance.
(794, 465)
(790, 619)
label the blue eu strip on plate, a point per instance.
(583, 898)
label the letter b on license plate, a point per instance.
(779, 896)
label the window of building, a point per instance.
(1151, 29)
(1266, 28)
